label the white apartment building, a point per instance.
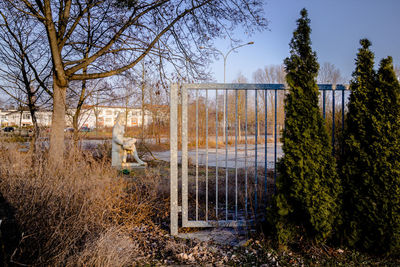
(18, 118)
(104, 116)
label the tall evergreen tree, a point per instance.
(371, 161)
(387, 170)
(308, 185)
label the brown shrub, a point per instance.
(114, 247)
(79, 210)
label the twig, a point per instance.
(148, 150)
(15, 251)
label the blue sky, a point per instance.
(337, 26)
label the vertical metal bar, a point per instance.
(255, 157)
(342, 149)
(236, 174)
(206, 155)
(333, 120)
(226, 154)
(275, 138)
(197, 155)
(342, 109)
(174, 159)
(323, 102)
(284, 110)
(265, 144)
(245, 157)
(216, 154)
(185, 204)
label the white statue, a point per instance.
(122, 146)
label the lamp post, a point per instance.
(225, 56)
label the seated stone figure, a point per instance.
(122, 146)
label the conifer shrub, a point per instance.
(308, 185)
(370, 167)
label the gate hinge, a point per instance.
(179, 208)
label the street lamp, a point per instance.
(225, 57)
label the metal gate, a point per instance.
(228, 176)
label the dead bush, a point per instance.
(114, 247)
(73, 210)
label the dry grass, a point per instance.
(80, 214)
(246, 195)
(201, 143)
(113, 247)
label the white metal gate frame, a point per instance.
(175, 208)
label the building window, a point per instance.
(26, 116)
(108, 112)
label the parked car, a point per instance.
(85, 129)
(8, 129)
(69, 130)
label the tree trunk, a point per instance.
(57, 124)
(20, 119)
(158, 132)
(32, 109)
(75, 125)
(143, 87)
(75, 118)
(153, 129)
(239, 130)
(36, 130)
(96, 115)
(258, 126)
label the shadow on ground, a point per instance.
(9, 233)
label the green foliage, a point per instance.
(370, 166)
(308, 185)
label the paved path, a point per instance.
(240, 158)
(214, 157)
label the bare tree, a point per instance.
(150, 93)
(123, 33)
(24, 66)
(238, 98)
(272, 74)
(78, 94)
(158, 107)
(329, 74)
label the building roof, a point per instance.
(102, 106)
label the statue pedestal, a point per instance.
(132, 165)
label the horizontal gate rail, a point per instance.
(256, 185)
(255, 86)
